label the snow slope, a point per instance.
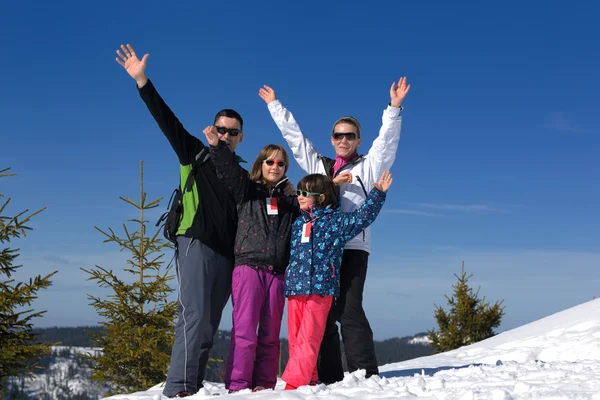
(557, 357)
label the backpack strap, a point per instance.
(202, 157)
(163, 217)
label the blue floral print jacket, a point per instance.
(315, 261)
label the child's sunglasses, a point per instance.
(304, 193)
(232, 132)
(270, 163)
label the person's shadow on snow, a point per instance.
(421, 371)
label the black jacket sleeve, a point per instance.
(292, 201)
(185, 145)
(230, 173)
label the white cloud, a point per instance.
(479, 208)
(407, 212)
(66, 301)
(559, 121)
(465, 208)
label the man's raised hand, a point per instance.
(132, 64)
(398, 92)
(267, 94)
(211, 136)
(385, 182)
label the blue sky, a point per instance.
(497, 163)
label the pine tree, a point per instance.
(469, 319)
(18, 347)
(139, 321)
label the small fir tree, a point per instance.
(469, 319)
(139, 321)
(19, 349)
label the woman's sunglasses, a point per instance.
(270, 163)
(232, 132)
(304, 193)
(350, 136)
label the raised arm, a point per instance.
(304, 152)
(185, 145)
(230, 173)
(383, 151)
(355, 222)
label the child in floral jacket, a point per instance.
(312, 278)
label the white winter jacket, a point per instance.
(365, 169)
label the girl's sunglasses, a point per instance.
(270, 163)
(304, 193)
(232, 132)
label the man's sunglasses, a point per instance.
(270, 163)
(351, 136)
(304, 193)
(232, 132)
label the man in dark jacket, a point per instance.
(205, 237)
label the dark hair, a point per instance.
(319, 183)
(348, 120)
(229, 113)
(270, 149)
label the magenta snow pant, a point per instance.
(258, 301)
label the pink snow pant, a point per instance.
(307, 316)
(258, 301)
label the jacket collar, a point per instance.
(329, 163)
(276, 190)
(316, 212)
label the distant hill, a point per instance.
(68, 336)
(402, 349)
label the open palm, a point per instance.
(132, 64)
(267, 94)
(385, 182)
(398, 92)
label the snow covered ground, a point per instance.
(557, 357)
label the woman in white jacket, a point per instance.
(355, 174)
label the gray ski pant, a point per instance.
(204, 279)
